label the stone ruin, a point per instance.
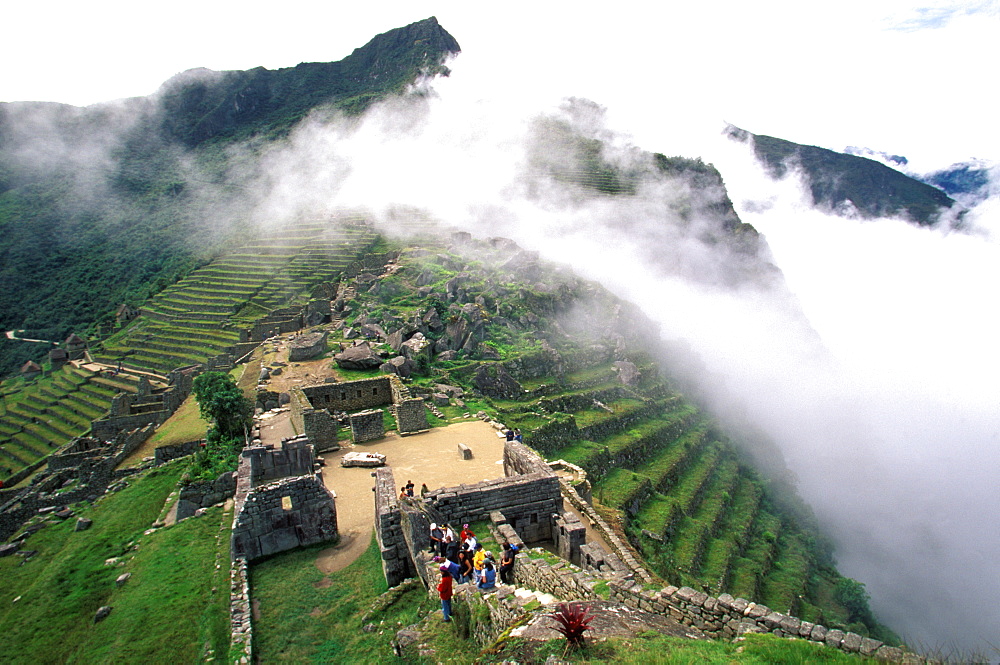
(320, 410)
(527, 501)
(307, 346)
(148, 405)
(281, 502)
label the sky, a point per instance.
(892, 75)
(892, 429)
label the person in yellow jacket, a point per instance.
(478, 560)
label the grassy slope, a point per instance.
(306, 616)
(166, 609)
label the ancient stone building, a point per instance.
(281, 502)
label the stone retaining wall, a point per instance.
(204, 494)
(164, 454)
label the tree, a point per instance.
(854, 597)
(221, 401)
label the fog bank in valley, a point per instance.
(869, 360)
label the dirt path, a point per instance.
(431, 457)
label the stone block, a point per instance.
(852, 642)
(869, 646)
(834, 638)
(464, 452)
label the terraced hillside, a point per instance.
(40, 417)
(575, 370)
(700, 516)
(202, 315)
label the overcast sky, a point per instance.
(903, 77)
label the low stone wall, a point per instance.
(164, 454)
(619, 548)
(240, 615)
(204, 494)
(724, 617)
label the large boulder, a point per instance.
(304, 347)
(361, 356)
(493, 380)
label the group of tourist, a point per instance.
(406, 491)
(463, 560)
(513, 435)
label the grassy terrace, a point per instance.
(40, 417)
(199, 317)
(655, 460)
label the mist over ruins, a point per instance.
(277, 337)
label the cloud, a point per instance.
(871, 366)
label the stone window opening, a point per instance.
(343, 394)
(286, 502)
(374, 392)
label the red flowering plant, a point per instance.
(573, 619)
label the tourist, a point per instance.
(409, 487)
(436, 536)
(478, 559)
(465, 570)
(450, 548)
(444, 591)
(509, 433)
(466, 532)
(517, 435)
(452, 568)
(423, 490)
(402, 493)
(507, 563)
(471, 543)
(447, 537)
(488, 579)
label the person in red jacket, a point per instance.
(444, 590)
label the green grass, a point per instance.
(306, 616)
(60, 588)
(175, 607)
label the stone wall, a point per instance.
(350, 395)
(164, 454)
(294, 458)
(282, 515)
(519, 459)
(321, 429)
(411, 416)
(240, 615)
(528, 502)
(396, 562)
(367, 425)
(204, 494)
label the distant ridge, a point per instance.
(848, 184)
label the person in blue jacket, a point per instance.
(488, 580)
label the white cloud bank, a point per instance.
(884, 404)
